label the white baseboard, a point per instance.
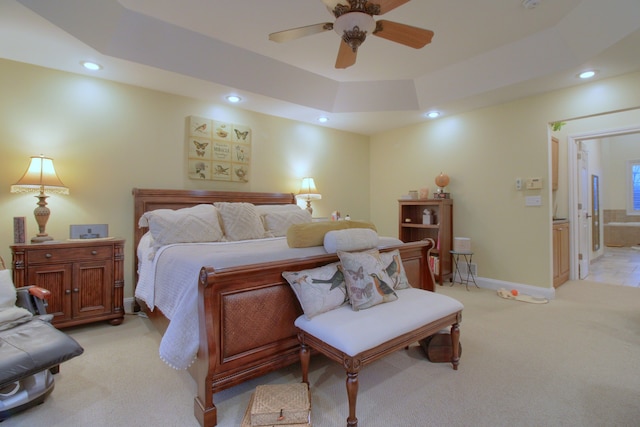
(128, 305)
(534, 291)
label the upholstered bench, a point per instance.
(357, 338)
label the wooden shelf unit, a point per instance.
(411, 229)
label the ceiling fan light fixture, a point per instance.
(353, 27)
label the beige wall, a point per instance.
(108, 138)
(483, 152)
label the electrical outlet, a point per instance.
(518, 184)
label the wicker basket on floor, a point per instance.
(287, 405)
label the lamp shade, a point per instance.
(40, 176)
(308, 190)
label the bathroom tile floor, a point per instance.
(618, 266)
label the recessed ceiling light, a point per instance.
(433, 114)
(91, 65)
(234, 98)
(587, 74)
(323, 119)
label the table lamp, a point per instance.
(308, 192)
(40, 176)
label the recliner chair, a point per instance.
(31, 349)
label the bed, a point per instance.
(246, 313)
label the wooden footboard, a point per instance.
(246, 317)
(246, 314)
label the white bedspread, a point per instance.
(170, 282)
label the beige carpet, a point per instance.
(572, 362)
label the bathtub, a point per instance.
(622, 234)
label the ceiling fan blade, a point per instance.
(296, 33)
(389, 5)
(346, 56)
(404, 34)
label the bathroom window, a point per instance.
(633, 191)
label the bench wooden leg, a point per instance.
(352, 395)
(455, 345)
(352, 365)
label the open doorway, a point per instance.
(581, 201)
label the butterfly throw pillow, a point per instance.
(367, 282)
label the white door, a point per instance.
(584, 222)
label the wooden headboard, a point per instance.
(145, 200)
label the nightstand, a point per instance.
(86, 278)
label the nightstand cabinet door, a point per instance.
(89, 296)
(57, 279)
(86, 279)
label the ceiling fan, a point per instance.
(354, 20)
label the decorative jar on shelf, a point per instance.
(427, 217)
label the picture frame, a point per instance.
(218, 151)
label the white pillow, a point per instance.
(265, 209)
(241, 221)
(187, 225)
(277, 223)
(7, 290)
(8, 310)
(350, 239)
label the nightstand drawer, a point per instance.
(40, 256)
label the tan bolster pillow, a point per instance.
(312, 234)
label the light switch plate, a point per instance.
(534, 183)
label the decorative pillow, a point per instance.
(7, 290)
(312, 234)
(187, 225)
(277, 223)
(240, 221)
(350, 239)
(8, 310)
(395, 269)
(319, 289)
(368, 283)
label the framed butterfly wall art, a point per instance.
(218, 151)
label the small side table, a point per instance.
(466, 258)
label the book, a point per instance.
(19, 232)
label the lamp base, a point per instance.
(40, 239)
(42, 216)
